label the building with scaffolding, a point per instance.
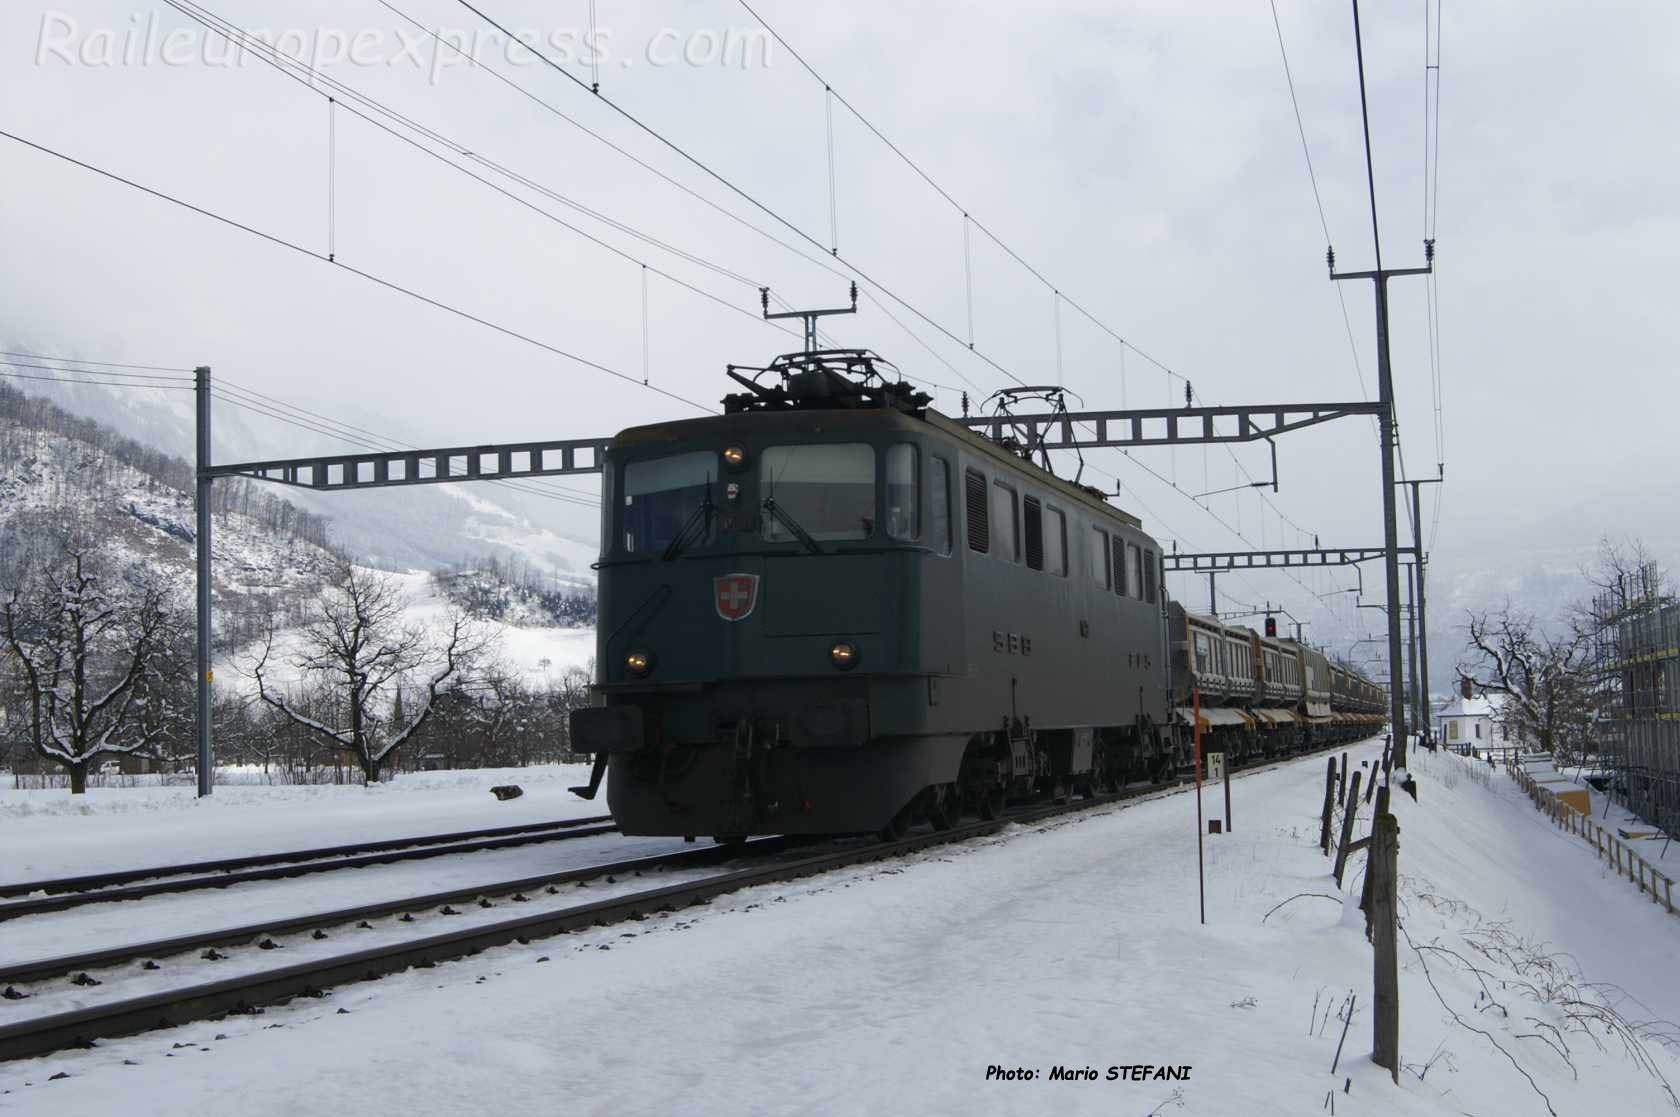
(1637, 653)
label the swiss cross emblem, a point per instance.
(735, 595)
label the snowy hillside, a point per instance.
(260, 545)
(268, 555)
(552, 524)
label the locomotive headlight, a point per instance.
(844, 655)
(734, 456)
(639, 663)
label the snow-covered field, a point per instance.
(1073, 943)
(45, 834)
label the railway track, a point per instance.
(135, 884)
(773, 861)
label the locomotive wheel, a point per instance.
(946, 810)
(899, 826)
(991, 802)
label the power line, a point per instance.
(1318, 201)
(143, 376)
(389, 285)
(295, 69)
(471, 60)
(103, 383)
(706, 168)
(1058, 294)
(101, 364)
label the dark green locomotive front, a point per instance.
(831, 610)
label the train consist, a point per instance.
(833, 610)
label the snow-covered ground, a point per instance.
(46, 834)
(1073, 943)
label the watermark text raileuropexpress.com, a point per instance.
(143, 40)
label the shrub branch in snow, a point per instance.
(1514, 966)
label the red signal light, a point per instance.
(1271, 627)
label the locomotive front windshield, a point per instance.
(827, 488)
(662, 496)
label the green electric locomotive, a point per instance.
(833, 610)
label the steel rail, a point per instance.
(45, 968)
(128, 876)
(246, 994)
(36, 905)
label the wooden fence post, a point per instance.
(1341, 789)
(1382, 870)
(1348, 814)
(1365, 890)
(1329, 805)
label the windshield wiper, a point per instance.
(787, 521)
(682, 541)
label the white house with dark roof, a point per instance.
(1466, 724)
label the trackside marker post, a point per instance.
(1201, 871)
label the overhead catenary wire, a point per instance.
(111, 373)
(493, 325)
(1318, 200)
(776, 217)
(101, 364)
(370, 277)
(856, 270)
(1057, 294)
(444, 43)
(86, 380)
(309, 77)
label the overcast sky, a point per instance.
(1142, 156)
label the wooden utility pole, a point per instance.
(1349, 813)
(1329, 806)
(1382, 872)
(1201, 864)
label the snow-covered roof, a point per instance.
(1462, 707)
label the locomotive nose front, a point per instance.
(751, 590)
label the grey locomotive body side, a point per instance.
(911, 657)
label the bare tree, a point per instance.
(356, 639)
(1545, 676)
(88, 653)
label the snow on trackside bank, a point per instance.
(50, 833)
(895, 987)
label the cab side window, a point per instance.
(939, 505)
(904, 514)
(1006, 532)
(1055, 542)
